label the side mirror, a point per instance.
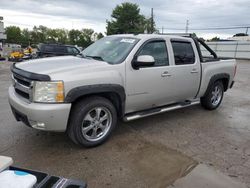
(144, 61)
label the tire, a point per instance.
(92, 121)
(213, 97)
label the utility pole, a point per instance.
(187, 25)
(162, 30)
(247, 30)
(152, 20)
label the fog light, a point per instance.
(37, 125)
(40, 125)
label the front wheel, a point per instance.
(92, 121)
(213, 96)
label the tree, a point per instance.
(39, 34)
(149, 27)
(57, 36)
(42, 34)
(240, 35)
(82, 38)
(202, 39)
(25, 37)
(99, 36)
(214, 39)
(126, 18)
(13, 34)
(74, 36)
(86, 37)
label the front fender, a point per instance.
(77, 92)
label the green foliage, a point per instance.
(148, 26)
(13, 34)
(99, 36)
(82, 38)
(86, 37)
(42, 34)
(25, 33)
(38, 34)
(202, 39)
(214, 39)
(74, 36)
(126, 18)
(240, 35)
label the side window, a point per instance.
(183, 53)
(48, 48)
(72, 50)
(158, 50)
(60, 49)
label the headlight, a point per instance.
(48, 92)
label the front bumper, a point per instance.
(48, 117)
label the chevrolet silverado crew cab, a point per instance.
(119, 76)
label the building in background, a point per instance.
(2, 36)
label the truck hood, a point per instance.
(55, 65)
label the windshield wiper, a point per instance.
(95, 57)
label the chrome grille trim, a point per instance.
(23, 86)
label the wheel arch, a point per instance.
(224, 77)
(113, 92)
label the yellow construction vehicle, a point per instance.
(16, 56)
(20, 55)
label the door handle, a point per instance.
(194, 71)
(165, 74)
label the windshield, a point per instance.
(110, 49)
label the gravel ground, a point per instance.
(150, 152)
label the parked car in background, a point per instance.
(120, 76)
(50, 50)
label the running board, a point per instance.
(155, 111)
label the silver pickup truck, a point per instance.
(119, 76)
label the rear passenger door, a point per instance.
(185, 69)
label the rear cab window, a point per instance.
(183, 52)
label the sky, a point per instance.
(171, 15)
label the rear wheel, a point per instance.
(213, 96)
(92, 121)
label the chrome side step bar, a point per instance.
(155, 111)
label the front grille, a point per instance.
(23, 94)
(23, 86)
(22, 81)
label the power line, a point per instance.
(210, 28)
(221, 28)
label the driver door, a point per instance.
(147, 86)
